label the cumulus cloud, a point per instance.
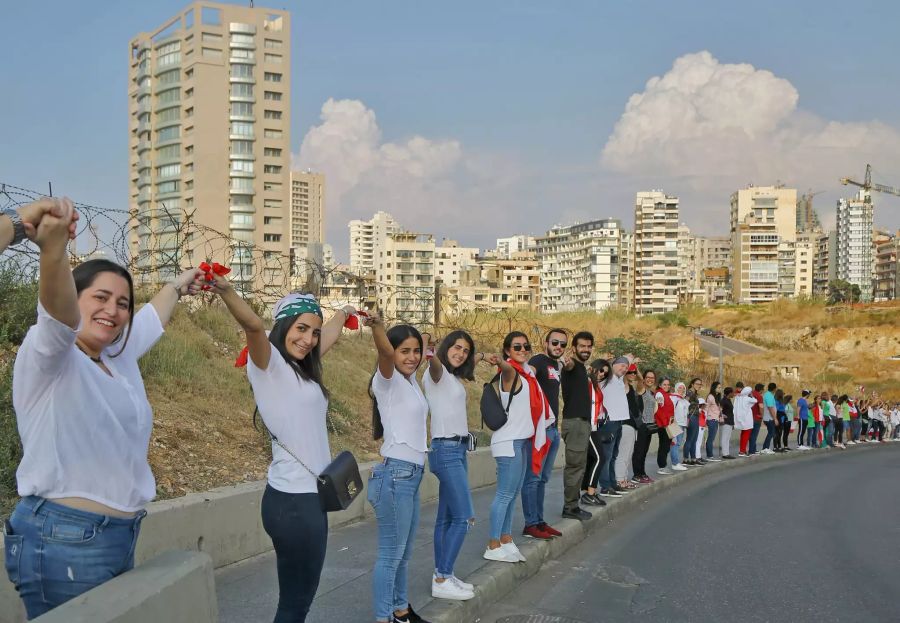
(716, 126)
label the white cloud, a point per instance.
(713, 127)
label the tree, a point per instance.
(840, 291)
(662, 360)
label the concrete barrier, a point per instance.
(225, 523)
(176, 587)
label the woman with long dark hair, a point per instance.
(665, 415)
(84, 420)
(693, 423)
(399, 414)
(528, 419)
(597, 374)
(453, 363)
(713, 420)
(285, 372)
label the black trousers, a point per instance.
(298, 528)
(639, 457)
(662, 453)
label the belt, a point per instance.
(454, 438)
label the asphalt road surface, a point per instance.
(729, 346)
(808, 541)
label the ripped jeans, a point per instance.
(447, 461)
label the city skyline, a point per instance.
(525, 111)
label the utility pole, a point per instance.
(721, 361)
(437, 303)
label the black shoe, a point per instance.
(411, 617)
(610, 493)
(621, 489)
(576, 513)
(701, 462)
(589, 499)
(729, 457)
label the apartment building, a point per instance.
(404, 272)
(507, 247)
(307, 208)
(626, 270)
(367, 239)
(495, 284)
(657, 278)
(450, 260)
(854, 242)
(580, 266)
(209, 96)
(762, 218)
(825, 262)
(887, 269)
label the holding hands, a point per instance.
(50, 220)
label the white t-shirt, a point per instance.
(294, 411)
(447, 400)
(403, 410)
(681, 409)
(518, 425)
(84, 433)
(615, 399)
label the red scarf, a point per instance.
(596, 404)
(539, 410)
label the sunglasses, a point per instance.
(558, 343)
(518, 347)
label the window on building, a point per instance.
(244, 166)
(242, 109)
(243, 54)
(270, 133)
(167, 97)
(242, 128)
(241, 37)
(169, 170)
(242, 219)
(169, 151)
(169, 114)
(212, 53)
(168, 77)
(272, 77)
(168, 134)
(241, 148)
(273, 44)
(242, 183)
(240, 70)
(273, 114)
(271, 168)
(168, 187)
(271, 237)
(271, 186)
(211, 37)
(241, 89)
(273, 152)
(273, 58)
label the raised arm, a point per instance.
(508, 374)
(186, 283)
(332, 329)
(57, 287)
(31, 215)
(258, 346)
(382, 345)
(434, 365)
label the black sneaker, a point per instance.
(576, 513)
(701, 462)
(621, 489)
(589, 499)
(411, 617)
(610, 493)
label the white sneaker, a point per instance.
(663, 472)
(513, 550)
(679, 468)
(465, 585)
(713, 459)
(448, 589)
(499, 555)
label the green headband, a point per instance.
(296, 304)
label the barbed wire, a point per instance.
(157, 244)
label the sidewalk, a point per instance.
(248, 590)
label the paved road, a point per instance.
(825, 547)
(730, 346)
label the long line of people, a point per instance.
(85, 422)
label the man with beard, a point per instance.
(546, 369)
(576, 390)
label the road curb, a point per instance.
(494, 580)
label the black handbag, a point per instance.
(493, 413)
(338, 484)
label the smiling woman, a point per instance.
(84, 420)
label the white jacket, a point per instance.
(743, 409)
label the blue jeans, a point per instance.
(394, 494)
(54, 553)
(534, 485)
(690, 443)
(712, 428)
(675, 449)
(770, 434)
(510, 476)
(447, 460)
(754, 434)
(812, 436)
(608, 451)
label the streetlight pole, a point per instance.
(721, 361)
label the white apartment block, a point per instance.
(506, 247)
(495, 284)
(626, 270)
(209, 104)
(307, 208)
(450, 260)
(657, 278)
(854, 242)
(762, 217)
(825, 262)
(404, 274)
(580, 266)
(367, 239)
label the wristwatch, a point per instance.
(18, 225)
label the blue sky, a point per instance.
(514, 103)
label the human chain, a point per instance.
(83, 353)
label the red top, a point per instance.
(666, 411)
(757, 408)
(702, 418)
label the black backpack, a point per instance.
(493, 413)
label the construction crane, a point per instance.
(868, 186)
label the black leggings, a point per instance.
(785, 432)
(639, 456)
(662, 453)
(801, 436)
(838, 430)
(298, 528)
(878, 427)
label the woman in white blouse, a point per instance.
(84, 421)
